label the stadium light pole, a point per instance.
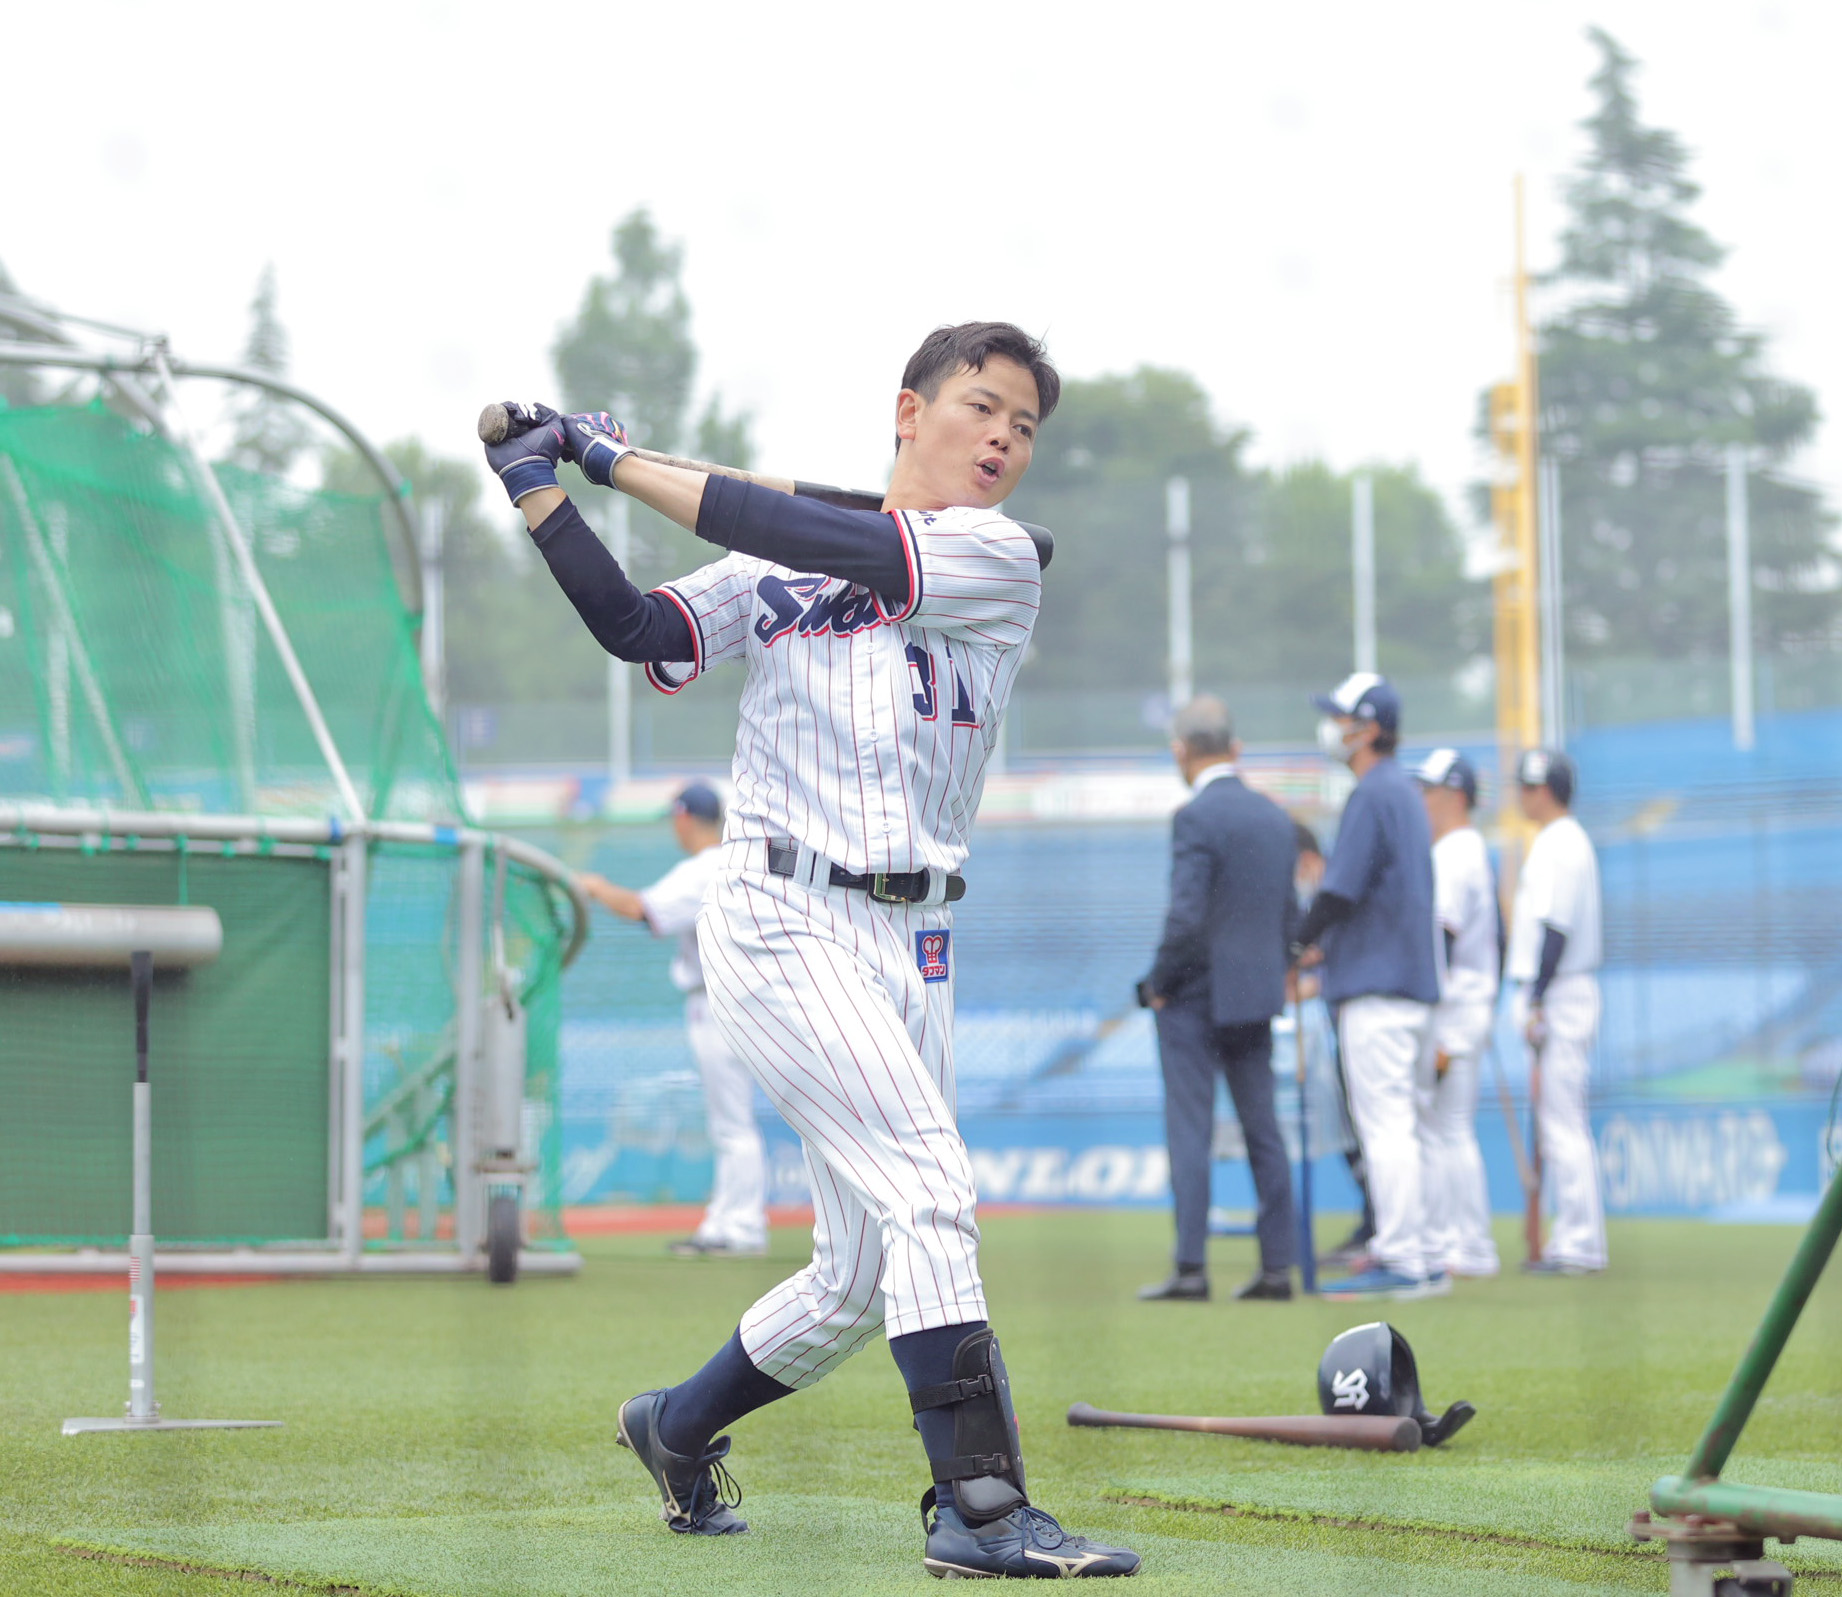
(1739, 596)
(1548, 594)
(1181, 671)
(620, 674)
(1362, 563)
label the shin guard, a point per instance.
(985, 1469)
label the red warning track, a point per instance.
(118, 1282)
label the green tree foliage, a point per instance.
(511, 636)
(1646, 376)
(1270, 551)
(270, 431)
(629, 348)
(629, 351)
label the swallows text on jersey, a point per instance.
(812, 607)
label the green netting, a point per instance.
(238, 1054)
(135, 673)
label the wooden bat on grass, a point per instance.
(1376, 1433)
(495, 423)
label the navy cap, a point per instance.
(1364, 696)
(1547, 768)
(699, 801)
(1448, 768)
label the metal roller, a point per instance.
(106, 934)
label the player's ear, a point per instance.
(908, 406)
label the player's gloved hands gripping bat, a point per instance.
(526, 455)
(596, 442)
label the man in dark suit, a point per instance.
(1218, 981)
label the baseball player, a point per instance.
(1465, 901)
(1554, 950)
(1374, 916)
(734, 1224)
(880, 651)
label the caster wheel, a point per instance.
(503, 1224)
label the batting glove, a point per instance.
(596, 443)
(526, 459)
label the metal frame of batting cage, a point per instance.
(479, 1170)
(482, 1183)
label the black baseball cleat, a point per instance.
(1273, 1286)
(1025, 1544)
(1184, 1286)
(699, 1495)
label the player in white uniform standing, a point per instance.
(734, 1223)
(1554, 953)
(880, 651)
(1465, 904)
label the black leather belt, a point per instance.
(888, 887)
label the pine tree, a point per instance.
(270, 431)
(629, 348)
(1646, 376)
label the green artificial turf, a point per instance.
(444, 1437)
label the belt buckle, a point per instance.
(879, 889)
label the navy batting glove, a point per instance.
(526, 459)
(596, 443)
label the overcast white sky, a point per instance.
(1307, 205)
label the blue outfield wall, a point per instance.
(1758, 1160)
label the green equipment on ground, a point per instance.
(211, 698)
(1709, 1524)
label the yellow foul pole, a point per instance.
(1518, 641)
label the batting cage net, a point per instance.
(158, 746)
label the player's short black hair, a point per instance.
(1306, 838)
(945, 350)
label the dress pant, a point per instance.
(1569, 1158)
(1457, 1193)
(1388, 1063)
(1191, 1049)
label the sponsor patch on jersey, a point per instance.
(932, 950)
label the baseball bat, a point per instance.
(1375, 1433)
(495, 422)
(1511, 1125)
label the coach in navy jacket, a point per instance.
(1218, 981)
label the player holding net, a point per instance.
(881, 649)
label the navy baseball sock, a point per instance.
(925, 1358)
(718, 1395)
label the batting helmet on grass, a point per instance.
(1370, 1369)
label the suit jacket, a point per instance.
(1233, 907)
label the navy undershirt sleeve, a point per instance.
(630, 625)
(1553, 945)
(861, 546)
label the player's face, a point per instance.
(972, 441)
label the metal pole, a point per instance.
(1177, 528)
(354, 857)
(469, 997)
(1739, 596)
(1362, 562)
(1548, 586)
(258, 589)
(620, 673)
(434, 616)
(73, 652)
(141, 1404)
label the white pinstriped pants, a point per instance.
(820, 992)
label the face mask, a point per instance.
(1330, 739)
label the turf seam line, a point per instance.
(1402, 1528)
(182, 1566)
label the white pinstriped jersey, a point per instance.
(865, 730)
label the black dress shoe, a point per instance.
(1276, 1287)
(1186, 1286)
